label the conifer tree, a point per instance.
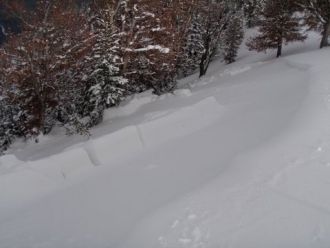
(250, 10)
(104, 85)
(191, 48)
(11, 125)
(277, 25)
(233, 36)
(318, 17)
(143, 42)
(214, 18)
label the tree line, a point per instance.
(70, 62)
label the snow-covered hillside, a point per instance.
(239, 158)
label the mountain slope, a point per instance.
(236, 159)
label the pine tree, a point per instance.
(318, 17)
(11, 125)
(277, 25)
(137, 40)
(146, 44)
(215, 26)
(107, 91)
(233, 36)
(191, 48)
(250, 10)
(104, 85)
(214, 18)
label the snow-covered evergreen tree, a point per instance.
(233, 36)
(108, 90)
(192, 48)
(9, 117)
(12, 124)
(146, 45)
(214, 18)
(250, 11)
(105, 87)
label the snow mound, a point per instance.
(22, 181)
(10, 163)
(157, 127)
(49, 168)
(233, 71)
(181, 122)
(117, 144)
(22, 186)
(62, 165)
(129, 107)
(132, 104)
(72, 161)
(182, 93)
(112, 112)
(209, 109)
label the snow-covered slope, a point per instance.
(240, 158)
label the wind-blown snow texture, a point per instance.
(239, 158)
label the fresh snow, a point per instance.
(238, 158)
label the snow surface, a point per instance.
(239, 158)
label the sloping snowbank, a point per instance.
(273, 195)
(239, 158)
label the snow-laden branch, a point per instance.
(151, 47)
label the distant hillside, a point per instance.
(10, 23)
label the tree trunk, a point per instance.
(205, 60)
(128, 44)
(279, 48)
(204, 64)
(42, 117)
(125, 64)
(325, 35)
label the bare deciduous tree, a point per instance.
(42, 61)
